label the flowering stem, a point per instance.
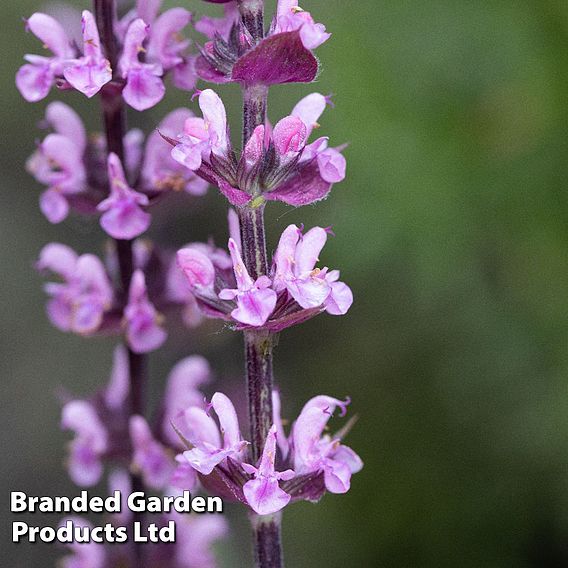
(114, 115)
(258, 357)
(258, 345)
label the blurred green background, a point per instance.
(452, 230)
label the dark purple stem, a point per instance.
(267, 539)
(114, 115)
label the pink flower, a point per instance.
(290, 17)
(181, 393)
(195, 536)
(165, 47)
(150, 457)
(255, 300)
(263, 493)
(318, 167)
(115, 395)
(91, 72)
(144, 87)
(160, 171)
(320, 461)
(294, 291)
(123, 217)
(79, 302)
(58, 161)
(212, 27)
(203, 136)
(98, 424)
(143, 330)
(276, 164)
(314, 451)
(35, 79)
(204, 434)
(294, 269)
(88, 446)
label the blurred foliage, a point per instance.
(452, 229)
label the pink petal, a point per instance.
(165, 32)
(181, 393)
(135, 36)
(125, 220)
(337, 476)
(254, 148)
(197, 267)
(144, 88)
(67, 122)
(254, 307)
(265, 496)
(93, 277)
(347, 456)
(185, 74)
(59, 313)
(150, 457)
(148, 9)
(91, 39)
(87, 316)
(234, 228)
(309, 109)
(309, 292)
(85, 467)
(118, 388)
(244, 281)
(54, 206)
(34, 81)
(51, 33)
(227, 418)
(68, 174)
(313, 35)
(58, 258)
(277, 419)
(289, 135)
(332, 165)
(204, 460)
(309, 248)
(145, 336)
(81, 417)
(215, 118)
(200, 427)
(340, 299)
(87, 76)
(283, 258)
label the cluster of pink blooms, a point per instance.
(276, 164)
(141, 31)
(104, 436)
(186, 448)
(294, 291)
